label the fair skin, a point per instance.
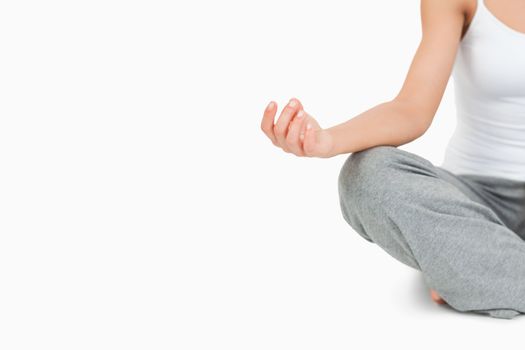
(409, 115)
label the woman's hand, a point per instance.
(296, 131)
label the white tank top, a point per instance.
(489, 84)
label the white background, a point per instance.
(141, 207)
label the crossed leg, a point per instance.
(432, 220)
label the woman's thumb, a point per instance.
(310, 138)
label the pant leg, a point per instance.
(505, 196)
(436, 222)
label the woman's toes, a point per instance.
(436, 298)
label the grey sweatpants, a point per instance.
(465, 232)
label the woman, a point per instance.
(461, 223)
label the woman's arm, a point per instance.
(395, 122)
(410, 113)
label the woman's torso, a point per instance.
(489, 85)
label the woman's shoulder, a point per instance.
(439, 11)
(466, 7)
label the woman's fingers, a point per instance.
(299, 103)
(267, 122)
(278, 132)
(281, 127)
(293, 141)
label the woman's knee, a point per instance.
(362, 184)
(363, 171)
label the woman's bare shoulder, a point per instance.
(450, 8)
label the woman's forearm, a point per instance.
(389, 123)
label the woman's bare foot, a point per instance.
(436, 298)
